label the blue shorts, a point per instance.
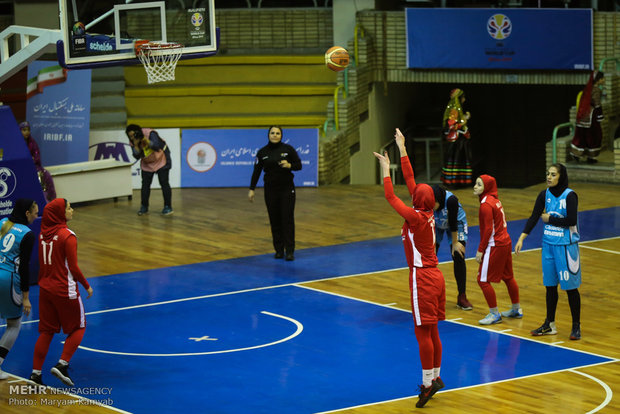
(461, 234)
(10, 295)
(561, 265)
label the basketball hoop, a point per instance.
(159, 59)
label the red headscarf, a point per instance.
(584, 109)
(490, 186)
(423, 197)
(54, 218)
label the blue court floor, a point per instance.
(242, 336)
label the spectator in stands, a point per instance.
(154, 155)
(45, 178)
(457, 170)
(588, 133)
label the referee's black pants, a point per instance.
(280, 203)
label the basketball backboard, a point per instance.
(102, 32)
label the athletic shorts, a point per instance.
(461, 234)
(428, 295)
(496, 264)
(561, 265)
(59, 311)
(10, 295)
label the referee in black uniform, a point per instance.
(278, 160)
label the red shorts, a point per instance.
(428, 295)
(58, 311)
(496, 264)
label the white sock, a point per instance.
(516, 306)
(436, 372)
(494, 311)
(63, 362)
(427, 377)
(36, 371)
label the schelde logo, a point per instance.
(499, 26)
(201, 157)
(8, 182)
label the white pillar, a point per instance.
(344, 18)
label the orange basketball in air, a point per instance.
(337, 58)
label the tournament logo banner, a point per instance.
(226, 157)
(553, 39)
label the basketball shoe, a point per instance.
(60, 371)
(547, 328)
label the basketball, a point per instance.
(337, 58)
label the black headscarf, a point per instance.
(18, 215)
(440, 195)
(562, 180)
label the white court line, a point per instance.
(299, 329)
(273, 287)
(608, 392)
(474, 386)
(600, 250)
(60, 392)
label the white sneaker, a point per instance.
(513, 313)
(491, 319)
(3, 375)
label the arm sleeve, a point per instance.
(294, 159)
(25, 251)
(405, 165)
(258, 168)
(539, 207)
(485, 218)
(155, 142)
(71, 253)
(453, 210)
(397, 204)
(136, 152)
(571, 212)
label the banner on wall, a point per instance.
(115, 145)
(58, 110)
(18, 177)
(225, 157)
(557, 39)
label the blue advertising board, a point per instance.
(58, 109)
(18, 177)
(225, 157)
(558, 39)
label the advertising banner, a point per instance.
(225, 157)
(557, 39)
(114, 144)
(58, 110)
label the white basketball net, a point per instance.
(159, 60)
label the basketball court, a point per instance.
(251, 335)
(255, 335)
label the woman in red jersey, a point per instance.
(494, 251)
(60, 304)
(426, 282)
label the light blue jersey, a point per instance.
(442, 226)
(10, 289)
(560, 250)
(556, 207)
(9, 246)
